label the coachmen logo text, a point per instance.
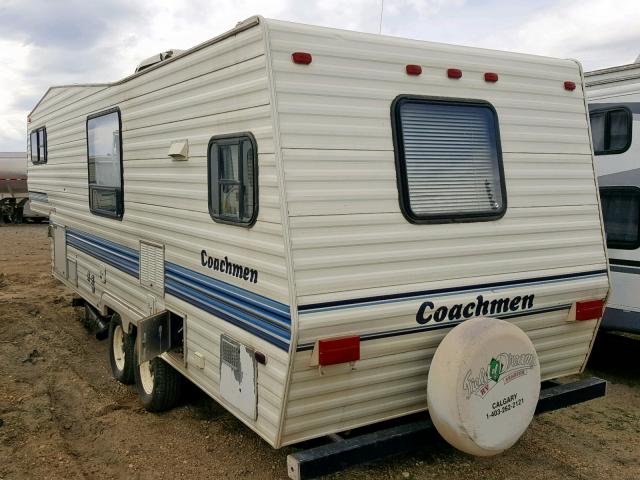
(428, 313)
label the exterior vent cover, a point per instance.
(152, 266)
(230, 353)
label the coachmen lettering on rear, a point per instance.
(428, 312)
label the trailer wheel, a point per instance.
(121, 346)
(158, 384)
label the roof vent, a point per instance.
(160, 57)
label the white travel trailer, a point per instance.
(293, 217)
(614, 105)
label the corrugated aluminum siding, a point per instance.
(216, 90)
(350, 240)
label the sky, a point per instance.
(57, 42)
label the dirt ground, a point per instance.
(63, 416)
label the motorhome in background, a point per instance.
(614, 105)
(308, 211)
(14, 194)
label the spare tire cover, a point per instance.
(483, 386)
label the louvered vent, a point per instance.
(451, 159)
(152, 266)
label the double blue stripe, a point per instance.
(118, 256)
(261, 316)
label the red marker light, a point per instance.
(413, 69)
(571, 86)
(301, 58)
(338, 350)
(589, 310)
(454, 73)
(490, 77)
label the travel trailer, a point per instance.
(614, 105)
(293, 218)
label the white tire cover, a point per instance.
(483, 386)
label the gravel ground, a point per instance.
(63, 416)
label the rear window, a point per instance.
(621, 212)
(449, 160)
(611, 130)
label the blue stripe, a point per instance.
(402, 297)
(121, 257)
(261, 316)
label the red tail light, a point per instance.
(413, 69)
(490, 77)
(454, 73)
(302, 58)
(571, 86)
(589, 310)
(338, 350)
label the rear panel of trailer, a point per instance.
(358, 262)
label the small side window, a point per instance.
(104, 161)
(611, 130)
(233, 179)
(38, 145)
(621, 212)
(448, 160)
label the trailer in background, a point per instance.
(614, 107)
(14, 193)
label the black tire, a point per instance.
(162, 390)
(121, 357)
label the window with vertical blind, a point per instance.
(233, 179)
(448, 160)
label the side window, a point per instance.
(233, 179)
(38, 145)
(621, 212)
(104, 160)
(448, 160)
(610, 130)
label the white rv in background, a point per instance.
(614, 105)
(293, 218)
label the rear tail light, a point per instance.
(454, 73)
(589, 310)
(571, 86)
(586, 310)
(302, 58)
(332, 351)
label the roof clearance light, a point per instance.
(303, 58)
(454, 73)
(571, 86)
(338, 350)
(490, 77)
(413, 69)
(589, 310)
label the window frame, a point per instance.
(619, 188)
(607, 128)
(402, 179)
(233, 139)
(37, 131)
(119, 192)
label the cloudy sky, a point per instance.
(53, 42)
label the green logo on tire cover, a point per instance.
(495, 369)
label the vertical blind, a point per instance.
(451, 159)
